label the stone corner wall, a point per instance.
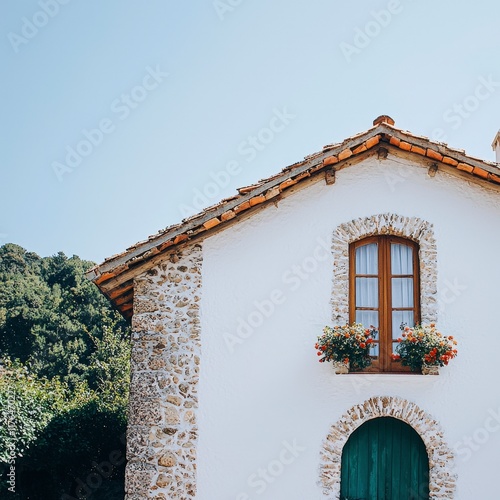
(162, 432)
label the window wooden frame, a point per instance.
(384, 362)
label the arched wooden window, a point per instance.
(384, 292)
(385, 459)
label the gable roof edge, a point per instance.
(332, 157)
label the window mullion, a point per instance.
(385, 301)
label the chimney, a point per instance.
(496, 146)
(383, 119)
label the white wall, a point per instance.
(270, 388)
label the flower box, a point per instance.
(425, 349)
(346, 347)
(430, 369)
(340, 368)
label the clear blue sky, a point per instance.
(329, 67)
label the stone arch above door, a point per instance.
(442, 480)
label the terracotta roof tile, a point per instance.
(434, 155)
(495, 178)
(211, 223)
(465, 167)
(330, 160)
(346, 153)
(165, 245)
(227, 215)
(360, 149)
(450, 161)
(247, 189)
(243, 206)
(286, 184)
(303, 175)
(480, 172)
(273, 192)
(373, 141)
(418, 150)
(257, 200)
(180, 238)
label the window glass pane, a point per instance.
(394, 345)
(401, 259)
(367, 319)
(366, 292)
(367, 259)
(402, 292)
(399, 317)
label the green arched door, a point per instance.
(384, 459)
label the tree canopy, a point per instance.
(63, 382)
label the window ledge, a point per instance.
(411, 374)
(393, 375)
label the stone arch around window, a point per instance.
(412, 228)
(442, 480)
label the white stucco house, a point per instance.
(228, 400)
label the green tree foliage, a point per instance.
(27, 404)
(63, 399)
(50, 315)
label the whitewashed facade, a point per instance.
(228, 399)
